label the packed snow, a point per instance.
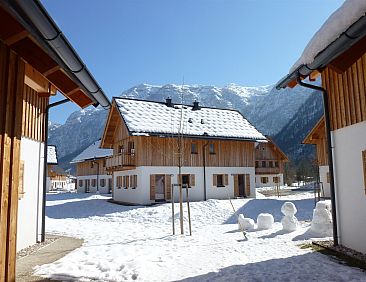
(335, 25)
(136, 243)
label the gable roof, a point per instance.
(277, 149)
(52, 155)
(149, 118)
(343, 29)
(92, 152)
(318, 130)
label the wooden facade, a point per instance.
(318, 137)
(347, 93)
(90, 167)
(269, 159)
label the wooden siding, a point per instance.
(156, 151)
(347, 94)
(268, 154)
(34, 109)
(11, 90)
(86, 168)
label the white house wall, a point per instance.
(29, 223)
(349, 142)
(93, 189)
(141, 195)
(323, 172)
(270, 183)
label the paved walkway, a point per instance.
(50, 253)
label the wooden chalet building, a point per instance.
(338, 53)
(56, 176)
(36, 60)
(269, 164)
(91, 171)
(317, 137)
(217, 151)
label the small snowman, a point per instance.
(289, 221)
(245, 223)
(322, 219)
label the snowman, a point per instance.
(322, 219)
(289, 221)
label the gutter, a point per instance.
(43, 230)
(41, 26)
(348, 38)
(330, 153)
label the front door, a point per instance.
(241, 184)
(159, 187)
(87, 185)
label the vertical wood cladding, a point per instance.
(88, 168)
(11, 87)
(347, 94)
(34, 108)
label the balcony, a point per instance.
(267, 170)
(120, 160)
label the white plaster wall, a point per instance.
(30, 206)
(323, 171)
(349, 142)
(93, 189)
(270, 183)
(141, 195)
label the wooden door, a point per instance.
(152, 187)
(241, 185)
(87, 185)
(247, 185)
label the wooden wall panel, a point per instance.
(347, 94)
(11, 95)
(85, 168)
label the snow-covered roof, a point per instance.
(51, 155)
(335, 25)
(92, 152)
(156, 118)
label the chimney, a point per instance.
(196, 106)
(168, 102)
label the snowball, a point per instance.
(289, 223)
(245, 223)
(288, 209)
(265, 221)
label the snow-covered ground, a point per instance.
(136, 243)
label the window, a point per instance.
(364, 168)
(256, 164)
(102, 182)
(120, 149)
(276, 179)
(133, 181)
(263, 163)
(104, 162)
(119, 182)
(193, 148)
(220, 180)
(94, 182)
(131, 147)
(212, 148)
(80, 183)
(276, 163)
(188, 180)
(270, 163)
(264, 180)
(125, 181)
(328, 177)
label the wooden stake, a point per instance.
(189, 213)
(172, 193)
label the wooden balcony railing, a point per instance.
(267, 170)
(120, 160)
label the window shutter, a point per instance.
(236, 185)
(168, 186)
(226, 179)
(192, 180)
(127, 181)
(328, 178)
(21, 180)
(214, 179)
(152, 186)
(135, 180)
(131, 181)
(247, 185)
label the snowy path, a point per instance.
(135, 243)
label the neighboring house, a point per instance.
(91, 170)
(338, 53)
(56, 176)
(215, 147)
(32, 67)
(317, 137)
(269, 164)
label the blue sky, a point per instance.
(208, 42)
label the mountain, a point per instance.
(268, 109)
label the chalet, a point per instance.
(317, 137)
(214, 147)
(338, 53)
(269, 164)
(91, 171)
(36, 60)
(56, 176)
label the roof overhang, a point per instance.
(354, 34)
(29, 30)
(312, 135)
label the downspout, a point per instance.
(330, 153)
(43, 234)
(204, 171)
